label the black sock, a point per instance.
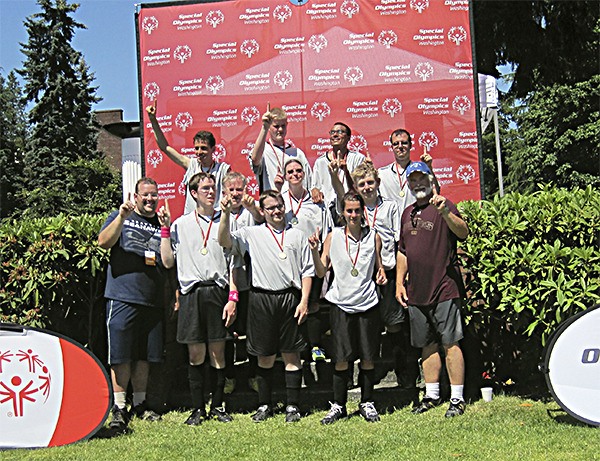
(313, 329)
(340, 387)
(219, 384)
(252, 365)
(293, 383)
(264, 378)
(196, 380)
(229, 359)
(398, 350)
(366, 379)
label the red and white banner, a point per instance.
(52, 391)
(376, 65)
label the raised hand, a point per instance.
(314, 241)
(151, 109)
(438, 201)
(127, 207)
(226, 204)
(164, 214)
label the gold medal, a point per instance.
(354, 272)
(282, 255)
(402, 194)
(294, 221)
(204, 251)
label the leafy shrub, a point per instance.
(52, 273)
(532, 261)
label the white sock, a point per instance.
(456, 391)
(120, 399)
(138, 397)
(432, 390)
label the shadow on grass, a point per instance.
(565, 418)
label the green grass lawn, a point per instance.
(508, 428)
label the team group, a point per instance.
(379, 245)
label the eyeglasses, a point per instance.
(297, 170)
(147, 196)
(206, 189)
(404, 143)
(334, 132)
(270, 209)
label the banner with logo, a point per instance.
(52, 391)
(376, 65)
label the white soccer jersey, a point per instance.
(307, 216)
(217, 169)
(385, 219)
(394, 186)
(274, 159)
(322, 179)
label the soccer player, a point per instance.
(282, 270)
(354, 254)
(204, 145)
(205, 309)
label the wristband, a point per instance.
(165, 233)
(234, 296)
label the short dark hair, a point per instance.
(400, 131)
(292, 160)
(352, 196)
(197, 179)
(145, 180)
(206, 136)
(348, 130)
(269, 193)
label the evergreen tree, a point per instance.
(62, 165)
(13, 132)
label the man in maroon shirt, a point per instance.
(430, 229)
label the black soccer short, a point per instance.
(272, 326)
(392, 313)
(355, 335)
(200, 317)
(440, 323)
(135, 332)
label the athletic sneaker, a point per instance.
(457, 407)
(263, 413)
(336, 412)
(317, 354)
(142, 411)
(220, 415)
(368, 411)
(292, 414)
(426, 404)
(229, 385)
(196, 418)
(119, 421)
(253, 384)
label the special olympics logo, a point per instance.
(252, 185)
(155, 157)
(391, 106)
(457, 34)
(250, 115)
(320, 110)
(424, 70)
(247, 152)
(149, 24)
(358, 143)
(387, 38)
(282, 79)
(282, 13)
(183, 120)
(182, 53)
(23, 378)
(249, 47)
(182, 189)
(349, 8)
(461, 104)
(465, 173)
(219, 153)
(151, 90)
(428, 140)
(353, 74)
(214, 18)
(214, 83)
(317, 42)
(419, 5)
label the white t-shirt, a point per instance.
(394, 186)
(322, 179)
(217, 169)
(273, 159)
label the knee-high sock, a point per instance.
(293, 383)
(264, 378)
(340, 387)
(366, 380)
(196, 379)
(219, 384)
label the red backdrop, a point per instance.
(376, 65)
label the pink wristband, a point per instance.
(234, 296)
(165, 233)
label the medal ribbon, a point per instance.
(295, 213)
(280, 245)
(353, 262)
(402, 183)
(205, 236)
(280, 161)
(374, 216)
